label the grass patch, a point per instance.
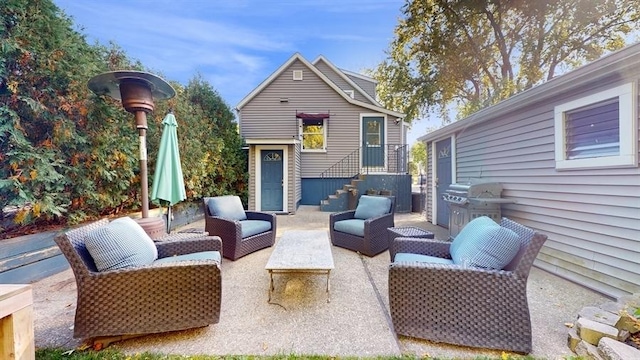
(111, 354)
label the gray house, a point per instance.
(566, 153)
(314, 132)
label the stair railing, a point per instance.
(349, 167)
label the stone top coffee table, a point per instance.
(303, 251)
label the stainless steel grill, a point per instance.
(471, 200)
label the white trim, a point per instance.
(434, 184)
(351, 93)
(325, 123)
(627, 123)
(434, 175)
(385, 121)
(323, 77)
(345, 78)
(285, 175)
(358, 75)
(270, 141)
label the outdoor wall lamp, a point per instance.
(136, 90)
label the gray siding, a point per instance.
(368, 86)
(265, 117)
(340, 81)
(592, 217)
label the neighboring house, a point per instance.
(311, 128)
(566, 152)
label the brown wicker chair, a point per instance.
(376, 237)
(463, 305)
(148, 299)
(230, 231)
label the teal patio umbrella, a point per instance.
(168, 183)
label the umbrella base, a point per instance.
(153, 226)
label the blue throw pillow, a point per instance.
(227, 207)
(472, 227)
(372, 206)
(491, 247)
(117, 246)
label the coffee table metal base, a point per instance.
(301, 251)
(319, 272)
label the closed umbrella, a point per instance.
(168, 184)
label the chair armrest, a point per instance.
(256, 215)
(188, 246)
(430, 247)
(222, 227)
(377, 226)
(339, 216)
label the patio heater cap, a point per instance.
(136, 90)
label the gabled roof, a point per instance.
(346, 78)
(323, 77)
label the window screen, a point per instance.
(593, 131)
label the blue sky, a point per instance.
(236, 44)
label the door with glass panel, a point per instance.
(373, 142)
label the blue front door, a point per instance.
(271, 180)
(443, 180)
(373, 141)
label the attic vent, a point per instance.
(351, 93)
(297, 74)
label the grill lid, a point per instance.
(474, 191)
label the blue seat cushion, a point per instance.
(489, 246)
(120, 245)
(227, 207)
(203, 255)
(408, 257)
(351, 226)
(254, 227)
(372, 206)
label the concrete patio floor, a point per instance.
(300, 321)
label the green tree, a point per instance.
(418, 156)
(42, 99)
(68, 155)
(472, 54)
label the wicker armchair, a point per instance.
(149, 299)
(230, 231)
(463, 305)
(376, 237)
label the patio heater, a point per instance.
(136, 90)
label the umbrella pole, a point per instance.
(169, 219)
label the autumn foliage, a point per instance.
(68, 155)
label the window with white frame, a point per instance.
(313, 135)
(598, 131)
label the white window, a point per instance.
(313, 135)
(297, 75)
(598, 131)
